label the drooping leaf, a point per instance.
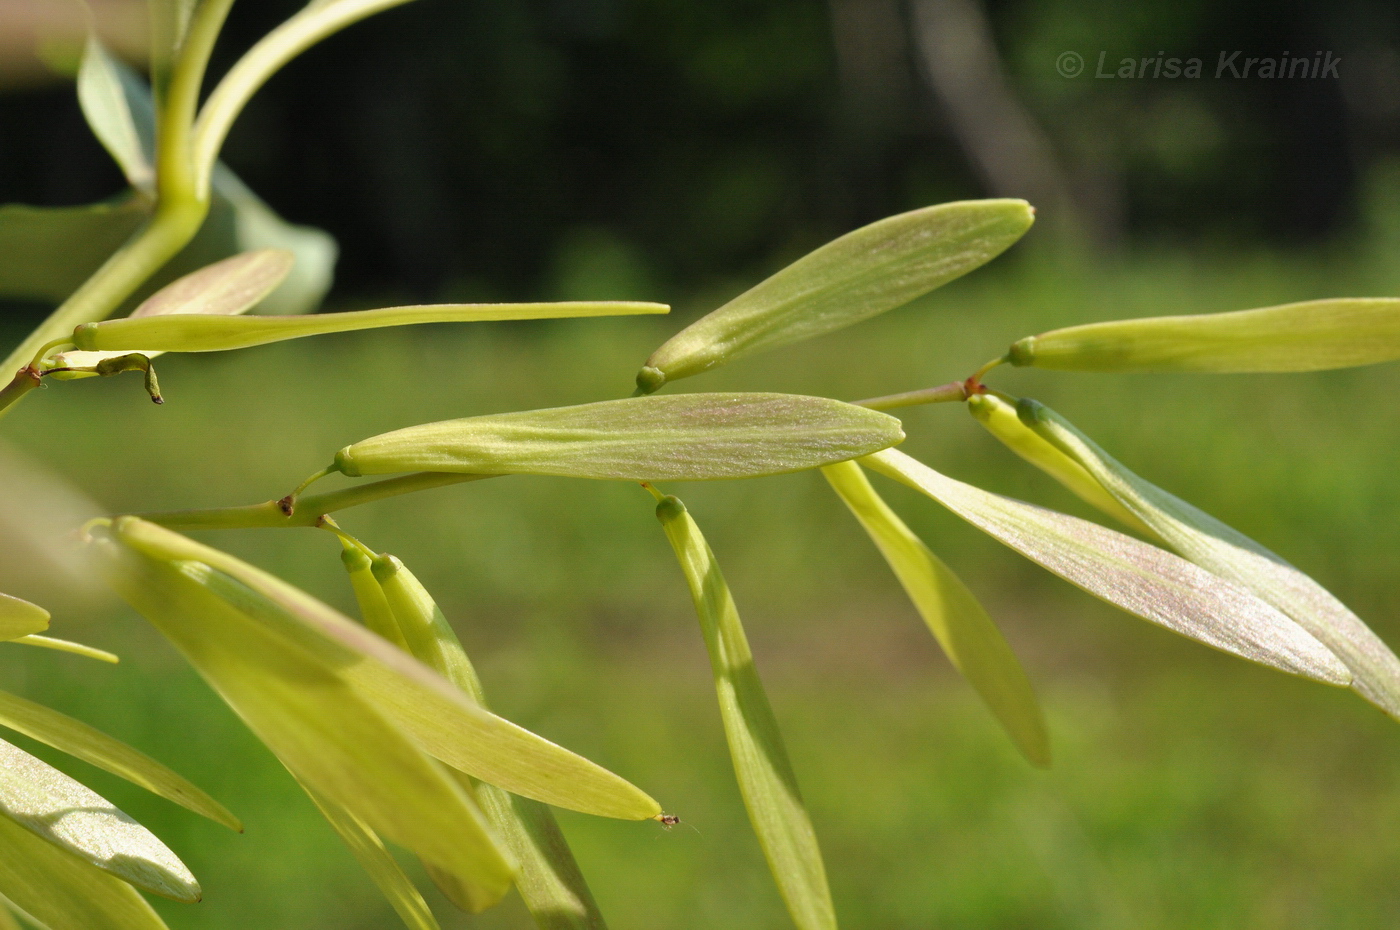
(47, 252)
(118, 109)
(679, 437)
(1310, 336)
(183, 332)
(378, 862)
(550, 882)
(63, 891)
(954, 615)
(998, 414)
(765, 776)
(20, 618)
(864, 273)
(97, 748)
(63, 645)
(1141, 579)
(71, 816)
(308, 716)
(443, 721)
(1221, 549)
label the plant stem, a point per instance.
(944, 393)
(309, 510)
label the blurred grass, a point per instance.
(1189, 789)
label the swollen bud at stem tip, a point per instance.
(650, 380)
(669, 508)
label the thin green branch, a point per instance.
(263, 60)
(944, 393)
(309, 510)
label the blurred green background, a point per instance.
(679, 151)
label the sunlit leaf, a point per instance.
(97, 748)
(550, 882)
(439, 717)
(117, 108)
(864, 273)
(957, 619)
(1141, 579)
(181, 332)
(71, 816)
(63, 645)
(998, 414)
(378, 862)
(1225, 551)
(20, 618)
(225, 288)
(63, 891)
(761, 765)
(680, 437)
(1309, 336)
(328, 736)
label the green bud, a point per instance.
(374, 608)
(187, 332)
(680, 437)
(1309, 336)
(999, 415)
(860, 275)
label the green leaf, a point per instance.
(1221, 549)
(443, 721)
(47, 252)
(1143, 580)
(550, 882)
(63, 891)
(864, 273)
(761, 765)
(20, 618)
(997, 413)
(381, 865)
(682, 437)
(1309, 336)
(185, 332)
(118, 110)
(97, 748)
(71, 816)
(63, 645)
(955, 617)
(226, 288)
(302, 709)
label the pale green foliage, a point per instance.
(685, 437)
(72, 817)
(765, 776)
(1142, 579)
(956, 618)
(1230, 554)
(20, 618)
(860, 275)
(1309, 336)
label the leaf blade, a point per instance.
(1141, 579)
(74, 818)
(761, 766)
(438, 717)
(19, 618)
(1313, 335)
(1221, 549)
(862, 274)
(953, 614)
(119, 113)
(675, 437)
(82, 741)
(65, 892)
